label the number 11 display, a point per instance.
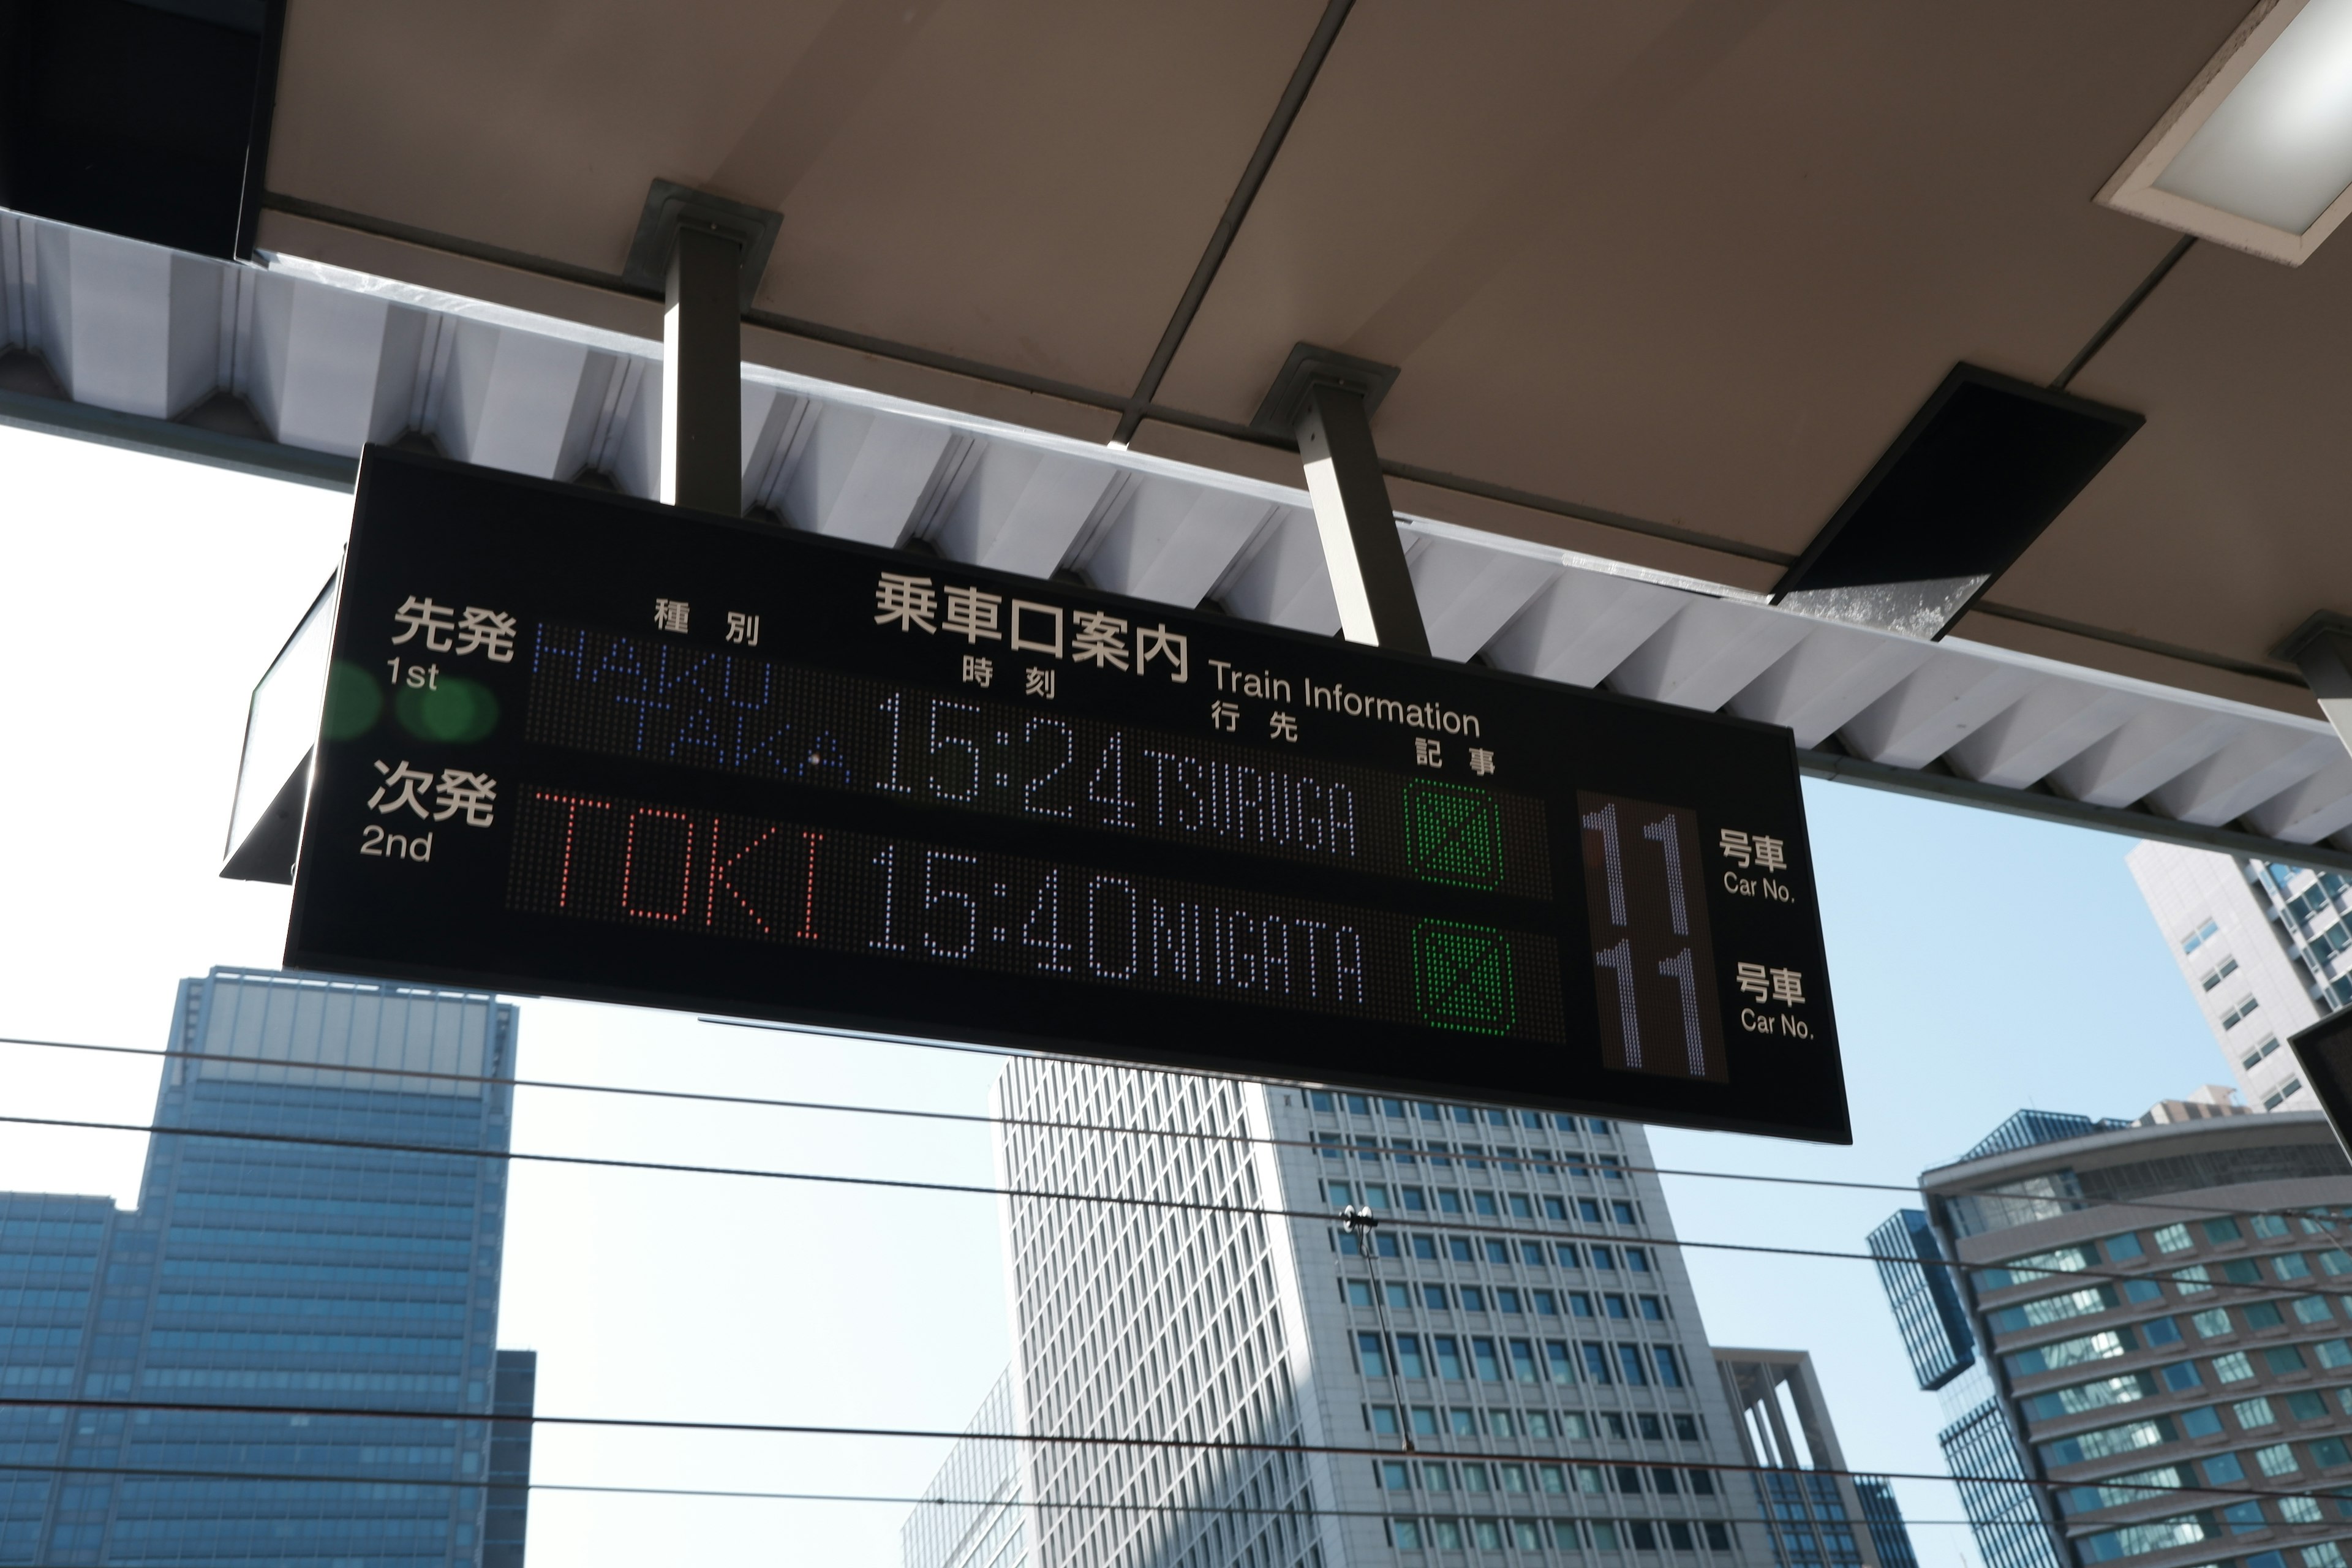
(1650, 944)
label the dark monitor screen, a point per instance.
(2324, 1051)
(584, 745)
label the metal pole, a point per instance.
(1364, 1226)
(1352, 513)
(702, 353)
(2322, 648)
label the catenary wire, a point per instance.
(1577, 1163)
(2137, 1489)
(970, 1189)
(1078, 1440)
(1306, 1510)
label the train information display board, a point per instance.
(579, 745)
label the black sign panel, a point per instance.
(584, 745)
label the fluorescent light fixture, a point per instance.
(2257, 153)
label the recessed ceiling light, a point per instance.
(2257, 153)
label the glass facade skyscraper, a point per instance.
(2157, 1308)
(296, 1274)
(972, 1514)
(1928, 1311)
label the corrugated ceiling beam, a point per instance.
(1935, 785)
(2054, 724)
(1819, 685)
(1584, 628)
(1704, 655)
(1468, 593)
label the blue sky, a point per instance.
(1980, 963)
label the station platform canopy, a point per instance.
(1662, 288)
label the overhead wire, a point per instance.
(1464, 1224)
(971, 1189)
(903, 1499)
(1575, 1164)
(1089, 1440)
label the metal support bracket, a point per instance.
(706, 254)
(2322, 648)
(1324, 400)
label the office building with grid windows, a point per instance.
(1815, 1512)
(290, 1274)
(2159, 1305)
(2266, 949)
(1511, 1336)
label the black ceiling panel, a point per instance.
(147, 121)
(1985, 465)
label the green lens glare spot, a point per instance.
(1462, 977)
(452, 709)
(1453, 834)
(354, 701)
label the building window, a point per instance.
(2233, 1368)
(2246, 1009)
(2278, 1459)
(2200, 937)
(2213, 977)
(2172, 1238)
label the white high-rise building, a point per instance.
(1523, 1358)
(2265, 948)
